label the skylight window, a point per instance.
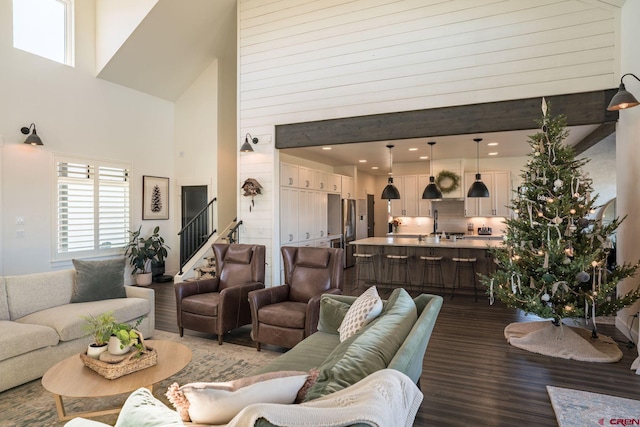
(44, 28)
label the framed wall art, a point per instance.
(155, 197)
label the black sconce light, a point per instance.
(478, 189)
(32, 139)
(246, 147)
(623, 99)
(390, 191)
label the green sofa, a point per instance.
(398, 339)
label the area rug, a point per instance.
(31, 405)
(575, 408)
(566, 342)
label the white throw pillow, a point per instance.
(218, 403)
(142, 409)
(364, 309)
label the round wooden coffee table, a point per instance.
(70, 378)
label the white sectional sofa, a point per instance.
(39, 326)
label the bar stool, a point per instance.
(432, 266)
(398, 261)
(468, 264)
(365, 261)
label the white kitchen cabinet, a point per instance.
(288, 175)
(320, 206)
(407, 205)
(499, 185)
(306, 215)
(335, 183)
(348, 188)
(305, 177)
(288, 215)
(424, 205)
(320, 180)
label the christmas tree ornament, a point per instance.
(545, 297)
(583, 277)
(558, 183)
(566, 261)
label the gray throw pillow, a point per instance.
(98, 280)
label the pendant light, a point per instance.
(478, 189)
(390, 191)
(431, 191)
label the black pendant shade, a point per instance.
(623, 99)
(431, 191)
(390, 192)
(478, 189)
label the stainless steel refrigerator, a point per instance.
(348, 230)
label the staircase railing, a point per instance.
(234, 234)
(196, 233)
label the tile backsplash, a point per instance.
(450, 218)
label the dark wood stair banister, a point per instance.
(196, 233)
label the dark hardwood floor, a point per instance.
(472, 376)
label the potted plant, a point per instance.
(159, 251)
(143, 251)
(123, 336)
(99, 327)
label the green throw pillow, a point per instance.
(370, 349)
(332, 312)
(98, 280)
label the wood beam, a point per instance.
(598, 134)
(580, 109)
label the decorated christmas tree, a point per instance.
(554, 261)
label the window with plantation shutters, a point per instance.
(92, 207)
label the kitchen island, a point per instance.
(413, 248)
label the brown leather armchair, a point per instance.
(220, 304)
(285, 315)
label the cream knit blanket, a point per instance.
(386, 398)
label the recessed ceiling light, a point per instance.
(423, 157)
(413, 149)
(492, 144)
(495, 153)
(362, 161)
(374, 167)
(326, 148)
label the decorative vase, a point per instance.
(144, 279)
(114, 346)
(94, 350)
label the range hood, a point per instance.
(449, 207)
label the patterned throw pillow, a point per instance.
(364, 309)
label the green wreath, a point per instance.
(448, 181)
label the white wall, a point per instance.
(76, 114)
(602, 168)
(115, 21)
(321, 60)
(627, 160)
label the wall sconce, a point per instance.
(246, 147)
(623, 99)
(32, 139)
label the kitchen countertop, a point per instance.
(443, 243)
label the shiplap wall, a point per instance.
(302, 60)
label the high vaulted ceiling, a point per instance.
(173, 45)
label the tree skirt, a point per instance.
(566, 342)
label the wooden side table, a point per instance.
(71, 378)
